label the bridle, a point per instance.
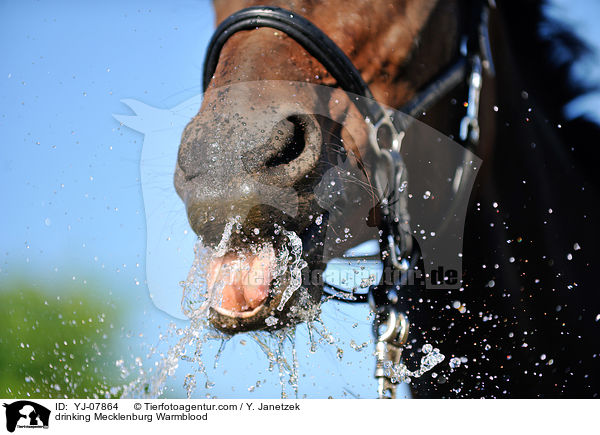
(397, 250)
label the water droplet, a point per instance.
(271, 321)
(454, 363)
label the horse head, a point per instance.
(253, 161)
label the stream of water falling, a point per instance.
(279, 347)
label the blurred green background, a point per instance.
(57, 341)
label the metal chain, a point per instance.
(391, 333)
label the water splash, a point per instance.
(185, 346)
(296, 264)
(277, 345)
(399, 373)
(198, 296)
(151, 382)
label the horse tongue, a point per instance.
(246, 280)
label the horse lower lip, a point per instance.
(237, 314)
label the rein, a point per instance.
(397, 250)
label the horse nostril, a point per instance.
(290, 150)
(289, 139)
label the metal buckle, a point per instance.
(469, 125)
(383, 134)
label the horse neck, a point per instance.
(525, 133)
(528, 169)
(383, 39)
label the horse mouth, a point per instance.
(241, 283)
(246, 289)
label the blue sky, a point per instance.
(583, 15)
(70, 173)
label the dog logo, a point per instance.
(26, 414)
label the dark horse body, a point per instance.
(529, 303)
